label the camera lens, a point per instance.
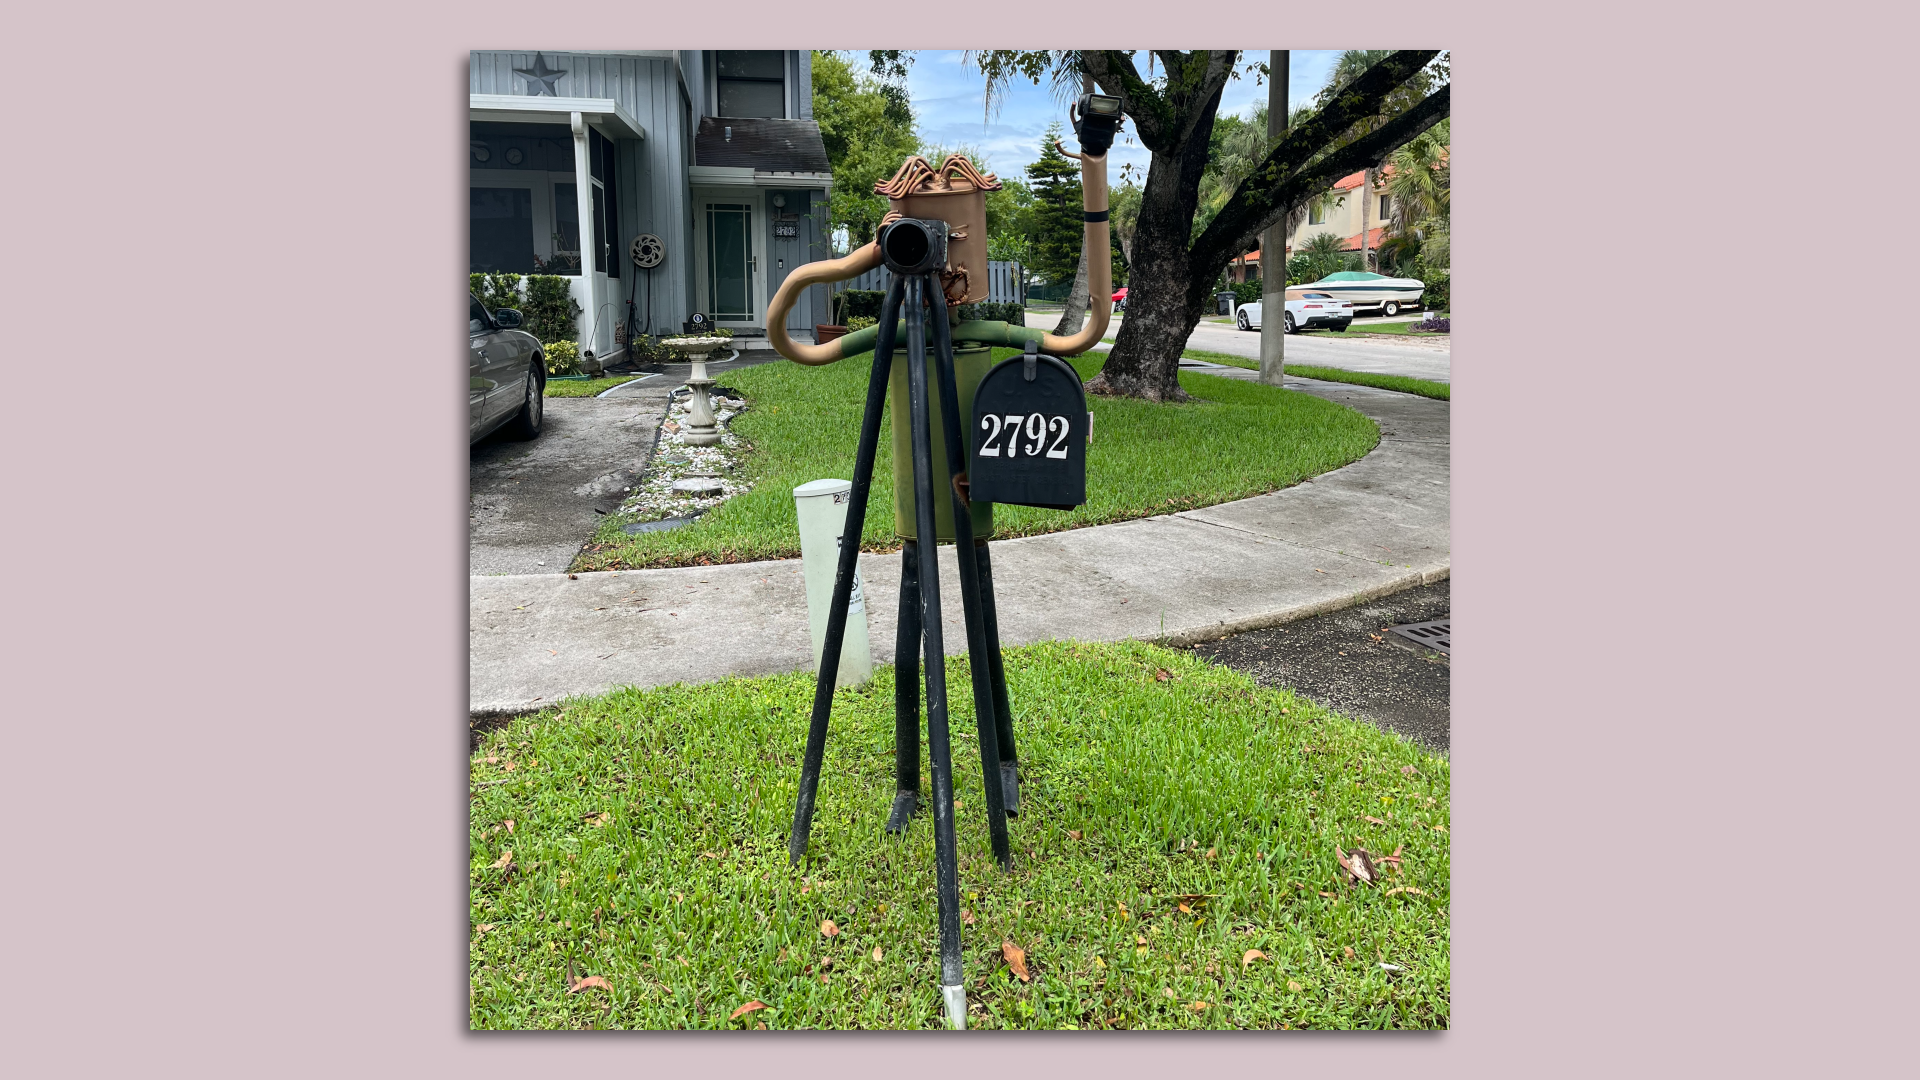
(907, 244)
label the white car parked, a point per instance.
(1307, 309)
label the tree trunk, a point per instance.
(1076, 309)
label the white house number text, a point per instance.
(1027, 434)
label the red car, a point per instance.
(1120, 299)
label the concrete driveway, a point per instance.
(1421, 358)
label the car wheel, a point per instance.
(526, 423)
(1390, 309)
(1242, 319)
(1288, 323)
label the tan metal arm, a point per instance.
(813, 273)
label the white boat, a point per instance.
(1374, 292)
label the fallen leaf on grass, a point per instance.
(827, 928)
(1348, 952)
(967, 916)
(1294, 986)
(591, 982)
(1073, 834)
(509, 824)
(877, 953)
(1251, 956)
(1016, 959)
(1331, 896)
(1199, 1005)
(483, 928)
(1162, 675)
(1375, 821)
(1408, 770)
(1393, 858)
(506, 860)
(1358, 865)
(1405, 888)
(508, 767)
(709, 854)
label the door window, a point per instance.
(476, 319)
(730, 261)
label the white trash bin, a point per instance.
(822, 509)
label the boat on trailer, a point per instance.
(1376, 292)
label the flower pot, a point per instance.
(822, 333)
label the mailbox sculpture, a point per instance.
(1024, 440)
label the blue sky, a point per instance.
(947, 102)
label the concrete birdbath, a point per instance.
(701, 428)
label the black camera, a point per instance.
(914, 246)
(1095, 119)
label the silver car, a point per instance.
(508, 372)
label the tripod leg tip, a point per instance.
(904, 804)
(1010, 787)
(956, 998)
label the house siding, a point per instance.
(651, 194)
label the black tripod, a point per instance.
(920, 623)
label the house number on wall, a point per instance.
(1032, 433)
(785, 230)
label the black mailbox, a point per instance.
(1030, 425)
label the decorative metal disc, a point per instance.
(648, 251)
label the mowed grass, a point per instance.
(1174, 862)
(1405, 384)
(803, 423)
(587, 387)
(1402, 328)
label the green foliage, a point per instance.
(860, 322)
(1439, 293)
(563, 356)
(855, 303)
(1247, 292)
(988, 311)
(1057, 221)
(867, 125)
(546, 306)
(1322, 254)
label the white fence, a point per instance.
(1003, 282)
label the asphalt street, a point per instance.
(1421, 358)
(1348, 662)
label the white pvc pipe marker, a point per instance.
(822, 509)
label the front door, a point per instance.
(732, 286)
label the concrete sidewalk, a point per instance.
(1371, 528)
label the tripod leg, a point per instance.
(843, 580)
(947, 873)
(906, 693)
(1002, 709)
(969, 580)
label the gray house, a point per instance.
(714, 152)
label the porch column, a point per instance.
(583, 190)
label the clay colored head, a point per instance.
(955, 193)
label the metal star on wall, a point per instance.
(540, 78)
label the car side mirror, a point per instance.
(507, 318)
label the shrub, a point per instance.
(563, 357)
(550, 311)
(860, 322)
(856, 302)
(988, 311)
(496, 291)
(1247, 292)
(1433, 323)
(1439, 294)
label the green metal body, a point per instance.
(970, 364)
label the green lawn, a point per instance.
(1174, 862)
(1403, 328)
(1403, 383)
(804, 422)
(587, 387)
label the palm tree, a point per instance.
(1348, 67)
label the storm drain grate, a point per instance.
(1434, 635)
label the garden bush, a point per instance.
(563, 357)
(857, 302)
(1433, 324)
(860, 322)
(544, 301)
(988, 311)
(1439, 294)
(1247, 292)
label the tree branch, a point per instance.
(1252, 209)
